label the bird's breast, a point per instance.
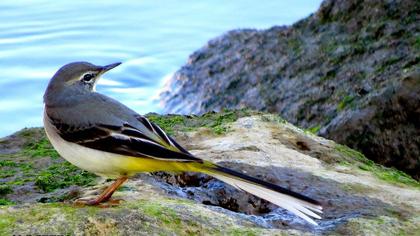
(102, 163)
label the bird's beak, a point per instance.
(109, 67)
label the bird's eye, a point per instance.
(88, 77)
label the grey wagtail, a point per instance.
(103, 136)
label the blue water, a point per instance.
(152, 38)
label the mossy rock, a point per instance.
(352, 188)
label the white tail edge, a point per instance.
(299, 207)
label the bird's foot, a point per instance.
(104, 199)
(85, 202)
(111, 203)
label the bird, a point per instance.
(101, 135)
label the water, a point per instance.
(152, 38)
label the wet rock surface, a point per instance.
(339, 205)
(350, 72)
(359, 196)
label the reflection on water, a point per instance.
(152, 39)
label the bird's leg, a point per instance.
(105, 195)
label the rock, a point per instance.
(349, 71)
(387, 129)
(359, 196)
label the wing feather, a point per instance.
(125, 140)
(163, 138)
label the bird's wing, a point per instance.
(126, 139)
(161, 137)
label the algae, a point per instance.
(63, 175)
(387, 174)
(161, 216)
(6, 222)
(40, 148)
(5, 189)
(295, 45)
(157, 215)
(346, 102)
(168, 123)
(314, 129)
(5, 202)
(163, 213)
(375, 225)
(35, 163)
(217, 122)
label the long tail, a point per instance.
(299, 204)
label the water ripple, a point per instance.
(152, 39)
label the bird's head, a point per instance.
(74, 78)
(81, 75)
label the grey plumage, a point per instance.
(85, 117)
(102, 135)
(75, 103)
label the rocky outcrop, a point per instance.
(350, 72)
(359, 197)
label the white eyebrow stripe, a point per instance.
(79, 78)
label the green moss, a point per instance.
(416, 43)
(18, 182)
(157, 216)
(390, 175)
(40, 148)
(243, 231)
(40, 219)
(273, 118)
(378, 225)
(62, 175)
(5, 222)
(163, 213)
(329, 47)
(355, 188)
(168, 213)
(387, 63)
(7, 173)
(26, 167)
(47, 171)
(314, 130)
(359, 48)
(5, 202)
(295, 45)
(329, 75)
(7, 163)
(217, 122)
(5, 189)
(169, 123)
(12, 169)
(362, 44)
(27, 132)
(345, 102)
